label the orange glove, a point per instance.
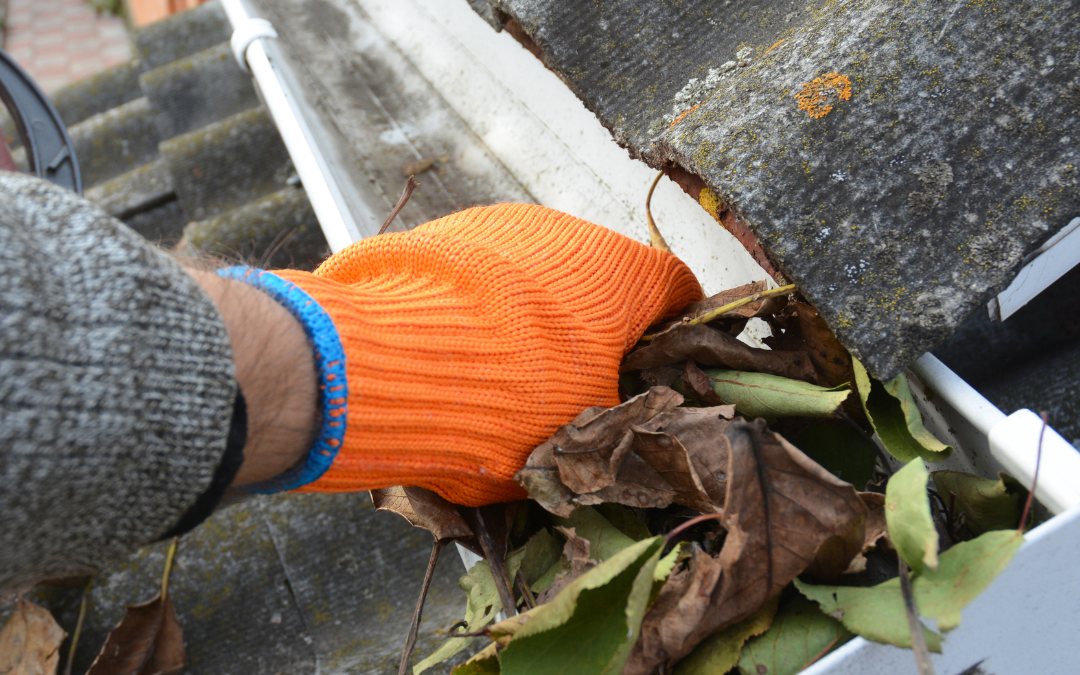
(468, 341)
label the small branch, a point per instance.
(1035, 478)
(494, 554)
(918, 639)
(78, 627)
(720, 311)
(414, 627)
(169, 556)
(405, 194)
(656, 240)
(692, 522)
(526, 592)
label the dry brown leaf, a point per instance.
(806, 331)
(148, 641)
(711, 347)
(698, 385)
(582, 451)
(424, 509)
(30, 641)
(876, 528)
(644, 453)
(589, 455)
(660, 376)
(781, 511)
(577, 551)
(701, 431)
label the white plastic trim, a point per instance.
(244, 34)
(325, 196)
(1053, 259)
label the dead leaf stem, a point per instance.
(918, 639)
(828, 648)
(692, 522)
(1035, 478)
(414, 627)
(656, 240)
(405, 194)
(78, 627)
(712, 315)
(169, 556)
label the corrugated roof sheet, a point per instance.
(940, 150)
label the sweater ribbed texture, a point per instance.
(472, 338)
(116, 386)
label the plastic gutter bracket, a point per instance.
(246, 33)
(1014, 439)
(325, 195)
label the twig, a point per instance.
(656, 240)
(169, 556)
(495, 556)
(1035, 478)
(719, 311)
(918, 640)
(692, 522)
(526, 592)
(78, 627)
(405, 194)
(414, 627)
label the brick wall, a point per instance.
(143, 12)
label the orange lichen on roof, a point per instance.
(684, 114)
(816, 95)
(774, 47)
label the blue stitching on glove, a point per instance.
(330, 363)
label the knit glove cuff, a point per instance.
(330, 363)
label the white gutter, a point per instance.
(324, 193)
(1014, 439)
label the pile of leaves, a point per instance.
(682, 532)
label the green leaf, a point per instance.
(763, 395)
(907, 514)
(877, 613)
(720, 652)
(541, 552)
(799, 634)
(591, 626)
(485, 662)
(625, 519)
(841, 450)
(986, 504)
(481, 606)
(892, 412)
(605, 540)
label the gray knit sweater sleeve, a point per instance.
(116, 386)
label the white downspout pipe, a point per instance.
(326, 199)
